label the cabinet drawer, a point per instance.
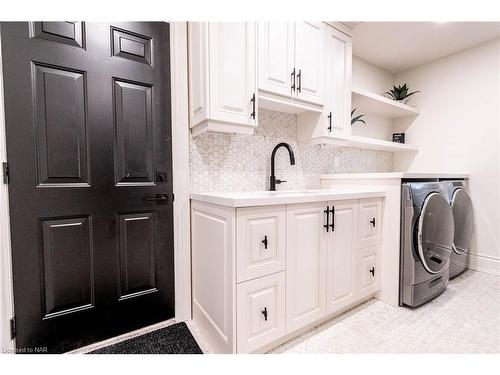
(260, 312)
(368, 270)
(370, 221)
(260, 236)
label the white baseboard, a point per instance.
(484, 263)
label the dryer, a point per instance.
(427, 232)
(463, 215)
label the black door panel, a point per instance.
(87, 109)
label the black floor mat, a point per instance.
(174, 339)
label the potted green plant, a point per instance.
(356, 118)
(400, 93)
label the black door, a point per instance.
(88, 128)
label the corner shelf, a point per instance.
(365, 143)
(368, 102)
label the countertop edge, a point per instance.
(271, 201)
(388, 175)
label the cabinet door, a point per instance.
(338, 50)
(342, 256)
(198, 72)
(260, 312)
(305, 264)
(370, 221)
(260, 236)
(276, 57)
(309, 61)
(369, 271)
(233, 72)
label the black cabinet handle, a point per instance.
(333, 219)
(299, 79)
(372, 271)
(330, 122)
(372, 222)
(157, 198)
(264, 241)
(264, 312)
(293, 79)
(327, 212)
(253, 106)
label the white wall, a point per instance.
(374, 79)
(458, 130)
(370, 77)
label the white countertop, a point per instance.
(398, 175)
(264, 198)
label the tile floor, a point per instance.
(464, 319)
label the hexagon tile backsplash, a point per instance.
(223, 162)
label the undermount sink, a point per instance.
(278, 193)
(291, 192)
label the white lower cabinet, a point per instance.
(260, 312)
(305, 264)
(370, 228)
(368, 270)
(342, 256)
(263, 273)
(260, 241)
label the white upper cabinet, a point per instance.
(222, 77)
(335, 119)
(291, 71)
(309, 61)
(338, 63)
(276, 57)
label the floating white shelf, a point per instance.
(367, 102)
(365, 143)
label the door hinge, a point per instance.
(13, 328)
(5, 167)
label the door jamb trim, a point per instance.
(6, 286)
(180, 169)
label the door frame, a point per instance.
(180, 177)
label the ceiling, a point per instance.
(397, 46)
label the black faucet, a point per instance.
(272, 180)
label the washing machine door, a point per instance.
(463, 215)
(435, 231)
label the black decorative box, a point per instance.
(398, 137)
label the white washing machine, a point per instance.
(427, 231)
(463, 215)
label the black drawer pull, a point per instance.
(264, 312)
(372, 222)
(330, 122)
(327, 212)
(253, 106)
(292, 78)
(299, 79)
(264, 241)
(333, 219)
(372, 271)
